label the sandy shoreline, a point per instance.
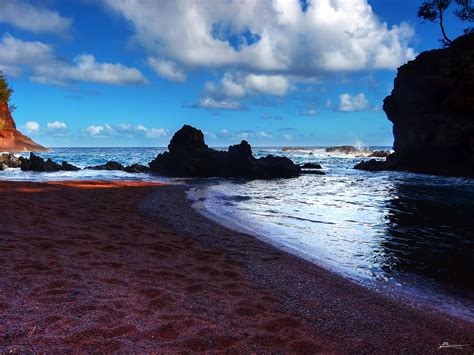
(132, 267)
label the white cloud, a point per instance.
(348, 103)
(309, 112)
(274, 36)
(56, 128)
(211, 103)
(126, 130)
(154, 133)
(56, 125)
(97, 131)
(238, 85)
(268, 84)
(167, 69)
(31, 127)
(26, 16)
(46, 68)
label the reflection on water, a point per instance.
(430, 233)
(395, 229)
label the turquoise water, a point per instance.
(404, 233)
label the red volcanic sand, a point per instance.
(83, 269)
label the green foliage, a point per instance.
(433, 11)
(5, 90)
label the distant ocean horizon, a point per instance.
(406, 234)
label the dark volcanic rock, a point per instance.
(137, 168)
(310, 166)
(432, 110)
(189, 156)
(69, 167)
(379, 154)
(36, 163)
(346, 149)
(312, 172)
(110, 165)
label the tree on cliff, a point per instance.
(434, 11)
(5, 90)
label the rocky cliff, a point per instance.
(432, 110)
(12, 140)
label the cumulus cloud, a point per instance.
(29, 17)
(167, 69)
(267, 84)
(348, 103)
(225, 104)
(46, 68)
(56, 128)
(224, 94)
(31, 127)
(126, 130)
(274, 37)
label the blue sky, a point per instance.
(283, 72)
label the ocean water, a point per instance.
(409, 235)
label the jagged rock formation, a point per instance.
(189, 156)
(12, 140)
(432, 110)
(36, 163)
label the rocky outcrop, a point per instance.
(310, 166)
(137, 168)
(36, 163)
(11, 140)
(379, 154)
(189, 156)
(113, 165)
(432, 110)
(346, 149)
(10, 160)
(110, 165)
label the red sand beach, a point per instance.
(85, 267)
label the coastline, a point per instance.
(359, 319)
(113, 266)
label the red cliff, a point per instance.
(12, 140)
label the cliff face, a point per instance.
(6, 119)
(12, 140)
(432, 110)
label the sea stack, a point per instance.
(12, 140)
(432, 110)
(189, 156)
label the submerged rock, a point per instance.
(137, 168)
(110, 165)
(432, 110)
(189, 156)
(310, 166)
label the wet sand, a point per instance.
(102, 266)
